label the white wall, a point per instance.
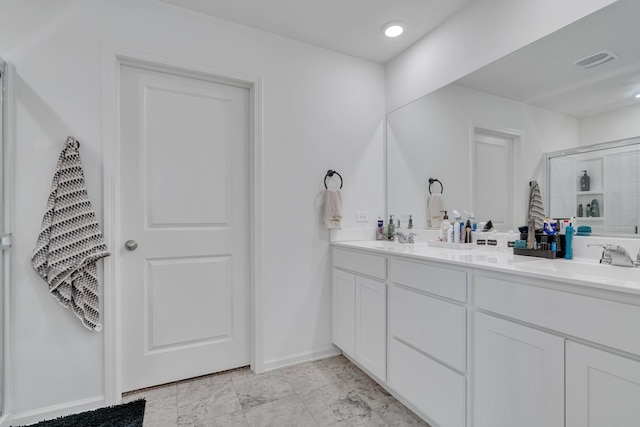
(613, 125)
(430, 138)
(479, 34)
(322, 110)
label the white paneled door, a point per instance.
(184, 203)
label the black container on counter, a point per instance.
(544, 242)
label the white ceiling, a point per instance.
(543, 73)
(352, 27)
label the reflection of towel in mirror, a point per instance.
(70, 242)
(435, 206)
(332, 208)
(536, 208)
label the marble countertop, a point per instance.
(584, 272)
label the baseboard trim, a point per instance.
(55, 411)
(6, 420)
(270, 365)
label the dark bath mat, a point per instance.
(127, 415)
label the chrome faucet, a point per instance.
(405, 239)
(617, 255)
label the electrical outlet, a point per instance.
(362, 216)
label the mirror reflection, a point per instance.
(599, 185)
(484, 136)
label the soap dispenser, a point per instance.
(391, 229)
(444, 227)
(584, 182)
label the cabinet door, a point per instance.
(518, 375)
(371, 325)
(344, 311)
(603, 389)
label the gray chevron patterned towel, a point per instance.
(536, 208)
(70, 241)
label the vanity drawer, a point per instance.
(432, 326)
(370, 265)
(425, 277)
(432, 388)
(610, 323)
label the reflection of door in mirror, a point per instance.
(493, 177)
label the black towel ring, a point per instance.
(431, 181)
(330, 174)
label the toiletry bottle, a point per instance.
(584, 182)
(380, 229)
(410, 226)
(568, 244)
(531, 233)
(588, 209)
(580, 210)
(444, 228)
(457, 226)
(595, 208)
(450, 233)
(456, 232)
(391, 229)
(467, 232)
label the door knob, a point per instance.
(130, 245)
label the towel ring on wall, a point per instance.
(330, 174)
(432, 180)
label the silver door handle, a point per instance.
(130, 245)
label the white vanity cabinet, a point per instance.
(427, 339)
(603, 389)
(519, 375)
(526, 375)
(359, 309)
(468, 344)
(344, 311)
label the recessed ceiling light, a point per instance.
(392, 29)
(638, 95)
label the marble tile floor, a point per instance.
(329, 392)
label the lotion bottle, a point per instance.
(457, 226)
(444, 228)
(380, 229)
(568, 245)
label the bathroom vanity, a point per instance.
(483, 338)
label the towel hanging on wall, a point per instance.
(70, 242)
(536, 208)
(435, 204)
(332, 213)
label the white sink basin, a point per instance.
(582, 268)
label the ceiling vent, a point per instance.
(596, 59)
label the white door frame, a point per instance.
(113, 57)
(519, 138)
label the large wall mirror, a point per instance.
(485, 136)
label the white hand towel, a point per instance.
(536, 207)
(332, 208)
(70, 242)
(435, 206)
